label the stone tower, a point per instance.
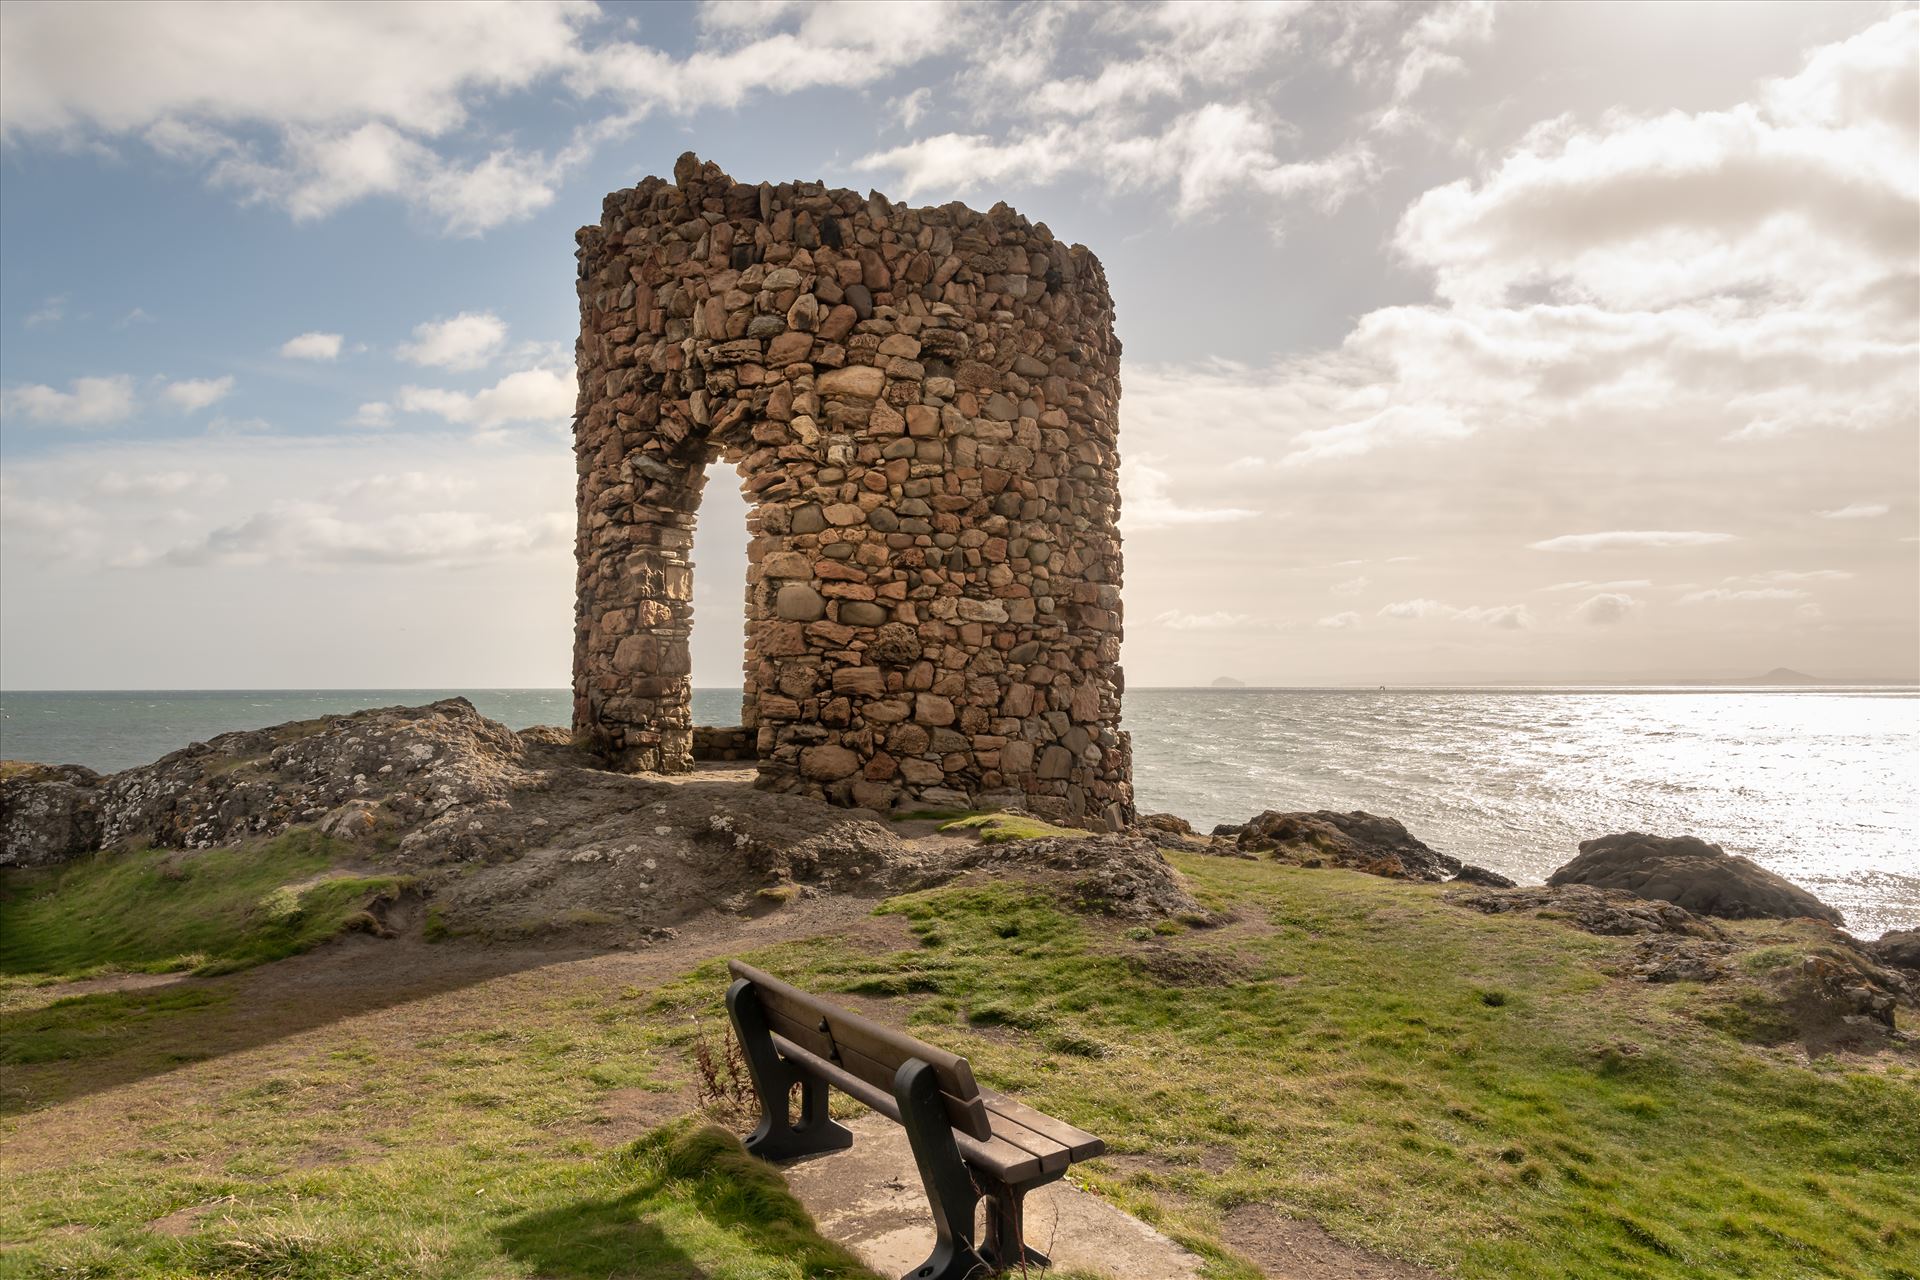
(921, 407)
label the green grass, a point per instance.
(1460, 1090)
(683, 1202)
(997, 828)
(164, 910)
(1470, 1092)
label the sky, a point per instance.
(1463, 343)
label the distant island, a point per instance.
(1228, 682)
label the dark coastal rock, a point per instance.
(1693, 874)
(1167, 831)
(1470, 874)
(1357, 841)
(1227, 830)
(1898, 949)
(1608, 912)
(49, 813)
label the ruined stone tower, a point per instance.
(921, 406)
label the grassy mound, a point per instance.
(165, 910)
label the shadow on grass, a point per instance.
(717, 1196)
(598, 1239)
(101, 1040)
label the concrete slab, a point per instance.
(869, 1199)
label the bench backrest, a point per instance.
(864, 1048)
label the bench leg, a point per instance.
(776, 1137)
(1005, 1245)
(951, 1193)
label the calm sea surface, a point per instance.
(1821, 785)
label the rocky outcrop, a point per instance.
(1898, 949)
(401, 767)
(1470, 874)
(1608, 912)
(1357, 841)
(1169, 831)
(49, 813)
(544, 840)
(1693, 874)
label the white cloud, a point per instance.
(531, 395)
(1178, 620)
(319, 534)
(914, 105)
(158, 484)
(1206, 155)
(251, 95)
(189, 395)
(312, 346)
(225, 426)
(1631, 540)
(465, 341)
(1146, 501)
(1509, 617)
(91, 402)
(48, 313)
(1606, 608)
(1618, 584)
(1345, 621)
(1351, 587)
(1857, 511)
(374, 413)
(1797, 575)
(1430, 47)
(1744, 595)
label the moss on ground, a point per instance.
(998, 828)
(167, 910)
(1466, 1091)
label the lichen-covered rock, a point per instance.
(49, 813)
(418, 763)
(922, 407)
(1357, 841)
(1688, 871)
(1609, 912)
(1670, 958)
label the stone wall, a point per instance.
(921, 407)
(723, 742)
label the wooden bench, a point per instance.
(971, 1144)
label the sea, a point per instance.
(1820, 784)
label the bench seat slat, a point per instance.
(1080, 1144)
(996, 1155)
(1053, 1157)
